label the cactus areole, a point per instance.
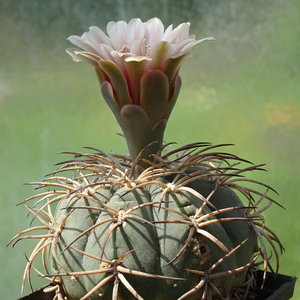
(161, 223)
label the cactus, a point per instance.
(161, 223)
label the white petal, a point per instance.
(168, 34)
(92, 47)
(118, 59)
(186, 45)
(154, 29)
(73, 55)
(138, 47)
(80, 42)
(134, 31)
(117, 33)
(90, 40)
(180, 33)
(106, 52)
(99, 37)
(207, 39)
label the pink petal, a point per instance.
(134, 31)
(106, 52)
(118, 59)
(80, 42)
(97, 36)
(154, 30)
(187, 44)
(117, 33)
(138, 47)
(180, 33)
(168, 34)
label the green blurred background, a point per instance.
(242, 89)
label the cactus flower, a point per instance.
(137, 65)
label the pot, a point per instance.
(276, 287)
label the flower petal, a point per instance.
(117, 33)
(187, 45)
(135, 66)
(79, 56)
(154, 94)
(180, 33)
(173, 96)
(134, 31)
(117, 80)
(106, 52)
(81, 43)
(154, 29)
(168, 34)
(109, 97)
(159, 52)
(97, 36)
(173, 64)
(139, 48)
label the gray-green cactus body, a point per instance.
(145, 242)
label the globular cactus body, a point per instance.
(175, 231)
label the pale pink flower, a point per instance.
(137, 65)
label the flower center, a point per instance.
(124, 49)
(144, 52)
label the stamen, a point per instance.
(147, 50)
(124, 49)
